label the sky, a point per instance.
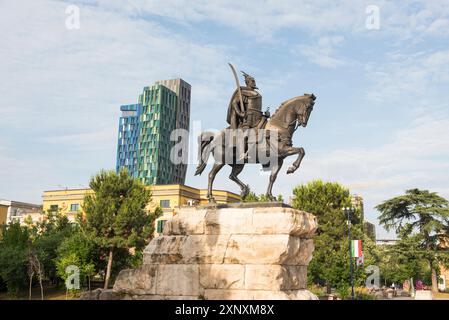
(379, 69)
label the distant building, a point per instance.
(3, 213)
(144, 142)
(443, 279)
(357, 203)
(157, 121)
(369, 229)
(387, 242)
(128, 134)
(169, 197)
(16, 211)
(182, 90)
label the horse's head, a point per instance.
(294, 112)
(305, 108)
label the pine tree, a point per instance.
(420, 214)
(116, 217)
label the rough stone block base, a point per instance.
(247, 253)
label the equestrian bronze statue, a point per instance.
(254, 137)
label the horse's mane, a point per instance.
(286, 103)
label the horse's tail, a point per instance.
(204, 141)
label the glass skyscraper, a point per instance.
(182, 90)
(128, 134)
(144, 143)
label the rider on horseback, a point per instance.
(250, 115)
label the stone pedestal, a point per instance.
(246, 251)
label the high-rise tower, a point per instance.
(144, 143)
(128, 134)
(182, 90)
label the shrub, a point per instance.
(343, 291)
(317, 290)
(363, 293)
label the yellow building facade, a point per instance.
(169, 197)
(3, 214)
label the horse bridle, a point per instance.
(286, 126)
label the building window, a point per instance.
(160, 226)
(74, 207)
(54, 207)
(165, 203)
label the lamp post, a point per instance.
(348, 211)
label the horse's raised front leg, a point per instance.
(274, 173)
(212, 174)
(301, 153)
(236, 169)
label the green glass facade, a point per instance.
(157, 120)
(182, 90)
(144, 143)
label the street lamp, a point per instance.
(348, 211)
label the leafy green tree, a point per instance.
(330, 263)
(420, 214)
(252, 197)
(403, 260)
(30, 250)
(78, 250)
(46, 237)
(67, 260)
(14, 248)
(116, 217)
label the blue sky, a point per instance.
(380, 124)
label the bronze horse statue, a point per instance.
(287, 118)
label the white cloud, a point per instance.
(96, 140)
(415, 21)
(322, 53)
(263, 21)
(408, 75)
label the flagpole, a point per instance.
(348, 210)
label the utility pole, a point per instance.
(348, 211)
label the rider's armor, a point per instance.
(252, 101)
(253, 109)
